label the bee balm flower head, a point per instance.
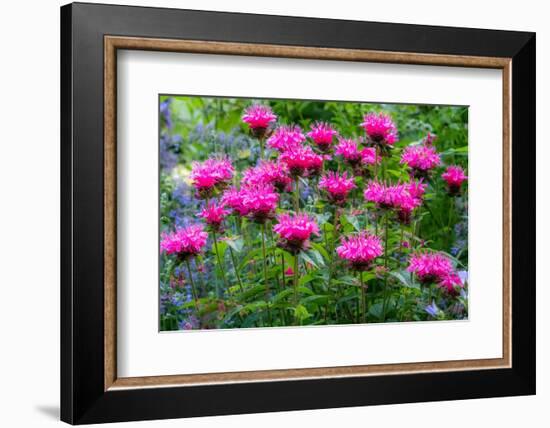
(420, 159)
(259, 118)
(286, 138)
(301, 161)
(295, 231)
(211, 175)
(380, 128)
(184, 242)
(322, 135)
(450, 283)
(454, 176)
(430, 267)
(337, 186)
(258, 202)
(269, 173)
(349, 150)
(213, 215)
(360, 250)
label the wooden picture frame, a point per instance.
(91, 390)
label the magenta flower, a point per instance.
(322, 135)
(233, 198)
(451, 282)
(210, 175)
(430, 267)
(213, 215)
(403, 197)
(301, 161)
(454, 176)
(295, 231)
(337, 186)
(184, 242)
(420, 159)
(349, 150)
(380, 128)
(369, 156)
(259, 118)
(360, 250)
(256, 202)
(268, 173)
(286, 138)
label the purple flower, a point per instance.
(432, 309)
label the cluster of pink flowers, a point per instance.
(322, 135)
(337, 186)
(295, 231)
(433, 267)
(213, 215)
(259, 118)
(286, 138)
(301, 161)
(210, 175)
(360, 250)
(404, 197)
(268, 173)
(356, 157)
(380, 128)
(184, 242)
(421, 158)
(454, 176)
(256, 202)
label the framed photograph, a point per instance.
(266, 213)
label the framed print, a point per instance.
(265, 213)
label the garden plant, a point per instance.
(280, 213)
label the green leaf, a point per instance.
(236, 244)
(351, 219)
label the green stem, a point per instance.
(235, 269)
(261, 148)
(220, 262)
(297, 194)
(265, 273)
(283, 268)
(296, 256)
(363, 298)
(386, 270)
(193, 289)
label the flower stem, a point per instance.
(386, 269)
(265, 273)
(193, 289)
(220, 261)
(235, 269)
(363, 298)
(297, 194)
(296, 256)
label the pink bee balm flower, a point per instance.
(301, 161)
(184, 242)
(259, 118)
(369, 156)
(454, 176)
(402, 197)
(295, 231)
(430, 267)
(286, 138)
(289, 272)
(258, 202)
(268, 173)
(337, 186)
(380, 128)
(211, 173)
(360, 250)
(349, 150)
(420, 159)
(233, 198)
(322, 134)
(214, 215)
(451, 282)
